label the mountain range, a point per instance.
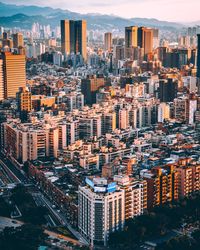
(21, 16)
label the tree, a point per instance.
(196, 235)
(159, 222)
(26, 237)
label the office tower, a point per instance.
(18, 40)
(138, 37)
(145, 39)
(14, 73)
(162, 185)
(168, 89)
(198, 56)
(90, 86)
(100, 210)
(131, 39)
(65, 37)
(108, 41)
(74, 37)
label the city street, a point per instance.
(56, 218)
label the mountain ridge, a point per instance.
(22, 16)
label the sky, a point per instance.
(169, 10)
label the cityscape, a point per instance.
(99, 125)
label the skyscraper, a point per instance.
(138, 37)
(145, 39)
(73, 37)
(14, 73)
(131, 37)
(18, 40)
(198, 56)
(168, 89)
(131, 40)
(108, 41)
(65, 36)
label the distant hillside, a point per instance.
(24, 16)
(11, 9)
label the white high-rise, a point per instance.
(163, 112)
(101, 210)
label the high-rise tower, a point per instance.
(74, 37)
(18, 40)
(198, 56)
(14, 73)
(145, 39)
(108, 41)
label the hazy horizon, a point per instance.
(167, 10)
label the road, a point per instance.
(62, 219)
(63, 237)
(22, 178)
(7, 174)
(7, 222)
(14, 171)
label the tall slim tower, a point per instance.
(65, 36)
(198, 63)
(131, 36)
(108, 41)
(81, 38)
(131, 40)
(198, 56)
(74, 37)
(145, 39)
(18, 40)
(14, 73)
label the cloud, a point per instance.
(171, 10)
